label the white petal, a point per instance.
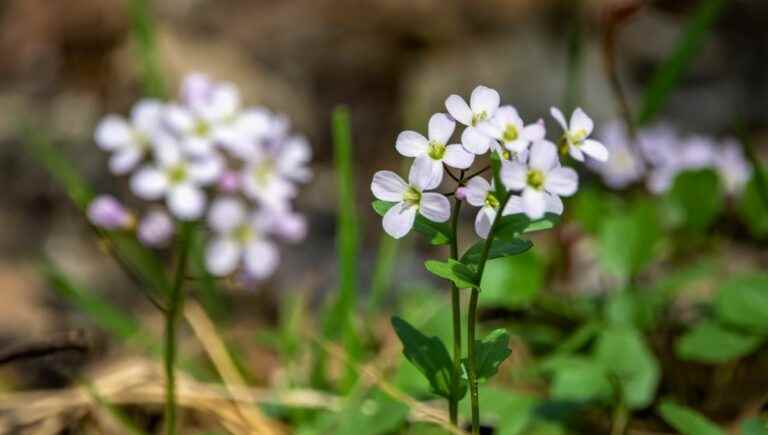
(484, 99)
(562, 181)
(543, 156)
(261, 259)
(476, 190)
(398, 220)
(554, 204)
(113, 132)
(197, 145)
(517, 146)
(514, 205)
(475, 141)
(146, 115)
(484, 221)
(411, 144)
(576, 153)
(534, 132)
(388, 186)
(425, 173)
(206, 170)
(123, 160)
(435, 207)
(514, 175)
(534, 203)
(459, 109)
(558, 115)
(179, 119)
(222, 256)
(507, 115)
(149, 183)
(595, 149)
(441, 128)
(580, 121)
(226, 214)
(457, 157)
(167, 151)
(186, 202)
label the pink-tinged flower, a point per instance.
(410, 198)
(129, 140)
(483, 104)
(156, 229)
(575, 140)
(542, 176)
(106, 212)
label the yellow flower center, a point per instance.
(536, 179)
(177, 174)
(491, 201)
(263, 171)
(510, 133)
(201, 129)
(412, 196)
(479, 117)
(243, 234)
(436, 150)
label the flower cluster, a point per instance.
(660, 153)
(207, 154)
(530, 165)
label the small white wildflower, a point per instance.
(410, 198)
(542, 176)
(733, 167)
(106, 212)
(156, 229)
(435, 149)
(480, 193)
(483, 104)
(624, 165)
(575, 140)
(129, 141)
(508, 128)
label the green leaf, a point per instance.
(710, 343)
(753, 209)
(687, 421)
(437, 233)
(626, 358)
(500, 191)
(754, 426)
(743, 303)
(512, 282)
(696, 199)
(628, 240)
(499, 248)
(452, 270)
(696, 30)
(429, 355)
(578, 379)
(512, 226)
(379, 415)
(490, 353)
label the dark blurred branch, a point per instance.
(77, 340)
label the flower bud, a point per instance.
(108, 213)
(156, 229)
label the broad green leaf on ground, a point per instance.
(743, 302)
(499, 248)
(591, 206)
(452, 270)
(628, 241)
(578, 379)
(510, 412)
(437, 233)
(627, 359)
(754, 426)
(687, 421)
(753, 210)
(711, 343)
(512, 282)
(696, 199)
(639, 309)
(379, 414)
(429, 355)
(491, 351)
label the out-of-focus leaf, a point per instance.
(437, 233)
(695, 33)
(578, 379)
(743, 302)
(510, 227)
(510, 412)
(753, 210)
(634, 309)
(499, 248)
(710, 343)
(628, 241)
(491, 351)
(696, 199)
(512, 281)
(687, 421)
(452, 270)
(378, 414)
(754, 426)
(590, 207)
(429, 355)
(626, 358)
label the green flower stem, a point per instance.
(456, 304)
(175, 307)
(472, 320)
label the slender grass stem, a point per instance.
(472, 321)
(456, 305)
(175, 307)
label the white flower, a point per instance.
(505, 154)
(483, 104)
(178, 178)
(262, 181)
(129, 141)
(733, 167)
(479, 193)
(624, 165)
(575, 136)
(106, 212)
(156, 229)
(435, 149)
(543, 175)
(241, 238)
(507, 127)
(410, 198)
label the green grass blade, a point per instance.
(381, 282)
(211, 296)
(695, 34)
(144, 31)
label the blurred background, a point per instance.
(64, 64)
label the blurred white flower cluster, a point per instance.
(660, 153)
(530, 165)
(207, 156)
